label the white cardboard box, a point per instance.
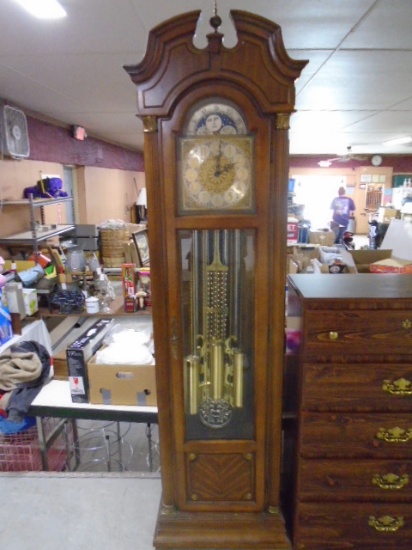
(396, 244)
(30, 300)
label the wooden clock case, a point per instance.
(217, 492)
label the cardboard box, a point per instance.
(122, 384)
(86, 230)
(396, 245)
(359, 261)
(391, 265)
(6, 331)
(77, 355)
(21, 265)
(129, 280)
(292, 232)
(324, 238)
(385, 215)
(89, 244)
(334, 268)
(30, 301)
(301, 255)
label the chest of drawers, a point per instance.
(352, 447)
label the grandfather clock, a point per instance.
(216, 161)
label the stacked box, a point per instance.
(6, 331)
(324, 238)
(122, 384)
(77, 355)
(87, 237)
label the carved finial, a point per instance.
(215, 20)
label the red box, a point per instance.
(128, 280)
(292, 232)
(402, 267)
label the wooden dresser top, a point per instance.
(349, 286)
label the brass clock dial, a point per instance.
(216, 173)
(216, 118)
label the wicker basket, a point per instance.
(112, 244)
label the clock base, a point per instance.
(209, 530)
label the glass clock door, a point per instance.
(218, 332)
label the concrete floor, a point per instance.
(78, 511)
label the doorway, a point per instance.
(316, 194)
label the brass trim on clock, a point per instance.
(283, 121)
(149, 123)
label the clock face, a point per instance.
(216, 173)
(216, 118)
(376, 160)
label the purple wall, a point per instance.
(56, 144)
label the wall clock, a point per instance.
(376, 160)
(216, 160)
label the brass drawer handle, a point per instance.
(397, 387)
(407, 323)
(390, 481)
(394, 435)
(386, 524)
(333, 335)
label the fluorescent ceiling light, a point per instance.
(43, 9)
(324, 163)
(398, 141)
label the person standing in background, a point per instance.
(343, 209)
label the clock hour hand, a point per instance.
(226, 168)
(218, 161)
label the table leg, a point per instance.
(42, 443)
(119, 443)
(149, 441)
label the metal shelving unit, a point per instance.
(36, 235)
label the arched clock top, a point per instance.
(258, 63)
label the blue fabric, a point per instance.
(8, 427)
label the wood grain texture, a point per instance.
(353, 448)
(221, 477)
(238, 470)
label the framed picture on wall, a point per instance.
(141, 241)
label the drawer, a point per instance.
(365, 332)
(361, 480)
(357, 387)
(355, 435)
(356, 526)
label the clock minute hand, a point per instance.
(218, 157)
